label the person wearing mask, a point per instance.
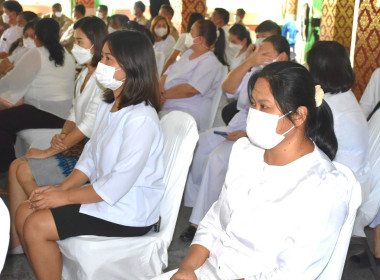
(264, 30)
(52, 165)
(67, 38)
(220, 17)
(284, 201)
(56, 13)
(329, 64)
(117, 22)
(123, 163)
(11, 10)
(180, 46)
(190, 83)
(168, 12)
(239, 39)
(138, 11)
(3, 25)
(37, 93)
(210, 161)
(102, 13)
(239, 16)
(155, 6)
(163, 41)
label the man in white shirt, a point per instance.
(11, 11)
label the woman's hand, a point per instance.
(234, 136)
(184, 274)
(48, 197)
(57, 142)
(38, 154)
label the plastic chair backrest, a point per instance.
(335, 266)
(289, 31)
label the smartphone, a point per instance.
(222, 133)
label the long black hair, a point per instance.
(47, 31)
(95, 30)
(134, 53)
(208, 29)
(292, 86)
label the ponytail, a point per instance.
(47, 31)
(320, 129)
(220, 47)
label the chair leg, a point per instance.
(371, 259)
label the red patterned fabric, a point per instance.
(189, 7)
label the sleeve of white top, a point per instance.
(204, 74)
(180, 44)
(307, 250)
(15, 84)
(86, 162)
(371, 94)
(210, 228)
(138, 136)
(3, 43)
(88, 121)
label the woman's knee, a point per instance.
(39, 226)
(22, 213)
(14, 166)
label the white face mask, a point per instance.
(237, 18)
(189, 40)
(111, 30)
(58, 14)
(99, 14)
(161, 32)
(82, 55)
(104, 74)
(28, 43)
(259, 41)
(261, 129)
(235, 47)
(5, 18)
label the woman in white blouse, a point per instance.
(189, 84)
(38, 92)
(163, 41)
(283, 202)
(49, 166)
(123, 161)
(239, 40)
(330, 66)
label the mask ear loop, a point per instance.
(290, 129)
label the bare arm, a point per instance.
(180, 91)
(196, 256)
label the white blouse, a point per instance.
(165, 46)
(124, 161)
(371, 95)
(274, 222)
(10, 35)
(85, 104)
(351, 130)
(203, 73)
(42, 84)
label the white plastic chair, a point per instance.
(216, 98)
(4, 232)
(143, 257)
(371, 94)
(335, 266)
(38, 137)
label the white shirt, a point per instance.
(9, 36)
(275, 222)
(180, 44)
(165, 46)
(237, 60)
(230, 52)
(124, 161)
(85, 104)
(202, 73)
(371, 95)
(42, 84)
(351, 130)
(17, 54)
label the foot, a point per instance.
(362, 260)
(188, 234)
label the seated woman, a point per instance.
(123, 161)
(190, 84)
(210, 162)
(239, 39)
(180, 46)
(38, 92)
(283, 202)
(49, 167)
(163, 41)
(330, 66)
